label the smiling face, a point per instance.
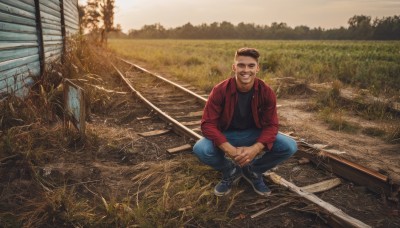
(245, 68)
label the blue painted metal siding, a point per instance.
(20, 46)
(19, 53)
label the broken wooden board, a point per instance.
(322, 186)
(143, 118)
(340, 218)
(192, 114)
(196, 129)
(191, 123)
(154, 133)
(179, 148)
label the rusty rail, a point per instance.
(176, 126)
(347, 169)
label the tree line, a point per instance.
(360, 27)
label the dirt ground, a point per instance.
(113, 168)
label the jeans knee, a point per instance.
(292, 147)
(197, 149)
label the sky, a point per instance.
(134, 14)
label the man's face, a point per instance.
(245, 69)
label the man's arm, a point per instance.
(268, 119)
(211, 116)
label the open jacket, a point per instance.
(218, 112)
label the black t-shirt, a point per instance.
(243, 115)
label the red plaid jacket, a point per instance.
(220, 106)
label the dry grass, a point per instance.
(169, 194)
(37, 191)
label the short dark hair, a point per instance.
(251, 52)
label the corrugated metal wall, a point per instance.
(31, 31)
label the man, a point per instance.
(240, 126)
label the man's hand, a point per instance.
(229, 150)
(247, 154)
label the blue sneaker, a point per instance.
(224, 187)
(256, 181)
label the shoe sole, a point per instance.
(258, 192)
(235, 182)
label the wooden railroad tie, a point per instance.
(337, 216)
(179, 148)
(154, 133)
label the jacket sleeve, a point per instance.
(268, 119)
(211, 116)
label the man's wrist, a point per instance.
(258, 147)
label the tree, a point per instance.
(107, 14)
(388, 28)
(99, 18)
(361, 27)
(91, 19)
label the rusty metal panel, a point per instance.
(19, 54)
(26, 38)
(52, 36)
(74, 101)
(71, 16)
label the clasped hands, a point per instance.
(244, 155)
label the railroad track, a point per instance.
(182, 108)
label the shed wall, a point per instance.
(30, 39)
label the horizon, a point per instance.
(325, 14)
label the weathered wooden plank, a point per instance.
(28, 2)
(143, 118)
(52, 38)
(197, 129)
(51, 53)
(53, 58)
(45, 15)
(31, 68)
(51, 26)
(179, 148)
(17, 80)
(53, 32)
(154, 133)
(192, 114)
(10, 27)
(71, 21)
(17, 11)
(50, 4)
(322, 186)
(373, 180)
(6, 65)
(51, 21)
(329, 209)
(48, 10)
(17, 19)
(17, 53)
(73, 11)
(52, 47)
(16, 83)
(14, 36)
(191, 123)
(28, 6)
(7, 45)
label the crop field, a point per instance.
(373, 65)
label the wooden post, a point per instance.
(39, 31)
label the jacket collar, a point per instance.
(233, 88)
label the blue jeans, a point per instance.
(282, 149)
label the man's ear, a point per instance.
(233, 67)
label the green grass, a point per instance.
(374, 65)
